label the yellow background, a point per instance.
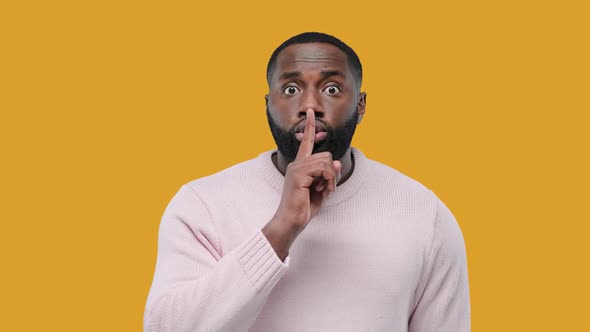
(108, 107)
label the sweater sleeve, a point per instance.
(196, 286)
(443, 292)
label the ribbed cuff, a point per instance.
(260, 263)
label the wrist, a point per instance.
(280, 235)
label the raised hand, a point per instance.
(309, 179)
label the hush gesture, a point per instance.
(309, 179)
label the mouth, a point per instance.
(320, 131)
(318, 137)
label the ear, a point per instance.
(361, 107)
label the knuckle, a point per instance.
(326, 164)
(291, 166)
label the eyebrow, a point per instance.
(325, 74)
(289, 75)
(330, 73)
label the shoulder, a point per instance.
(415, 199)
(391, 176)
(392, 187)
(252, 177)
(225, 179)
(390, 179)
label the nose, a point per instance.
(310, 99)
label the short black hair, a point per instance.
(318, 37)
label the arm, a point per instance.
(198, 288)
(443, 293)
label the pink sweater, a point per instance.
(383, 254)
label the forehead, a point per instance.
(311, 56)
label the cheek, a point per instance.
(282, 113)
(284, 107)
(340, 109)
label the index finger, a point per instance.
(306, 146)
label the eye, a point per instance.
(290, 90)
(332, 90)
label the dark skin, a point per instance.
(310, 81)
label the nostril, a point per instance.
(318, 114)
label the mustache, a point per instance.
(320, 125)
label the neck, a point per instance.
(347, 165)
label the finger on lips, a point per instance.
(306, 146)
(327, 180)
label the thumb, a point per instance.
(338, 167)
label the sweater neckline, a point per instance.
(270, 174)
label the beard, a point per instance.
(337, 140)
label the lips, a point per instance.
(320, 131)
(317, 138)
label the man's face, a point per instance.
(313, 76)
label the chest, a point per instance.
(356, 272)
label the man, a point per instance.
(313, 236)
